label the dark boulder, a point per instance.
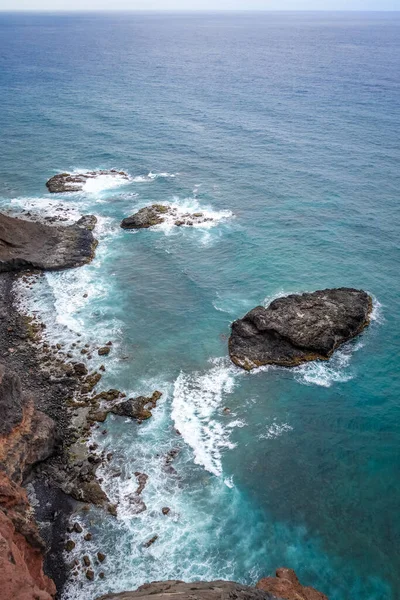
(137, 408)
(146, 217)
(74, 182)
(299, 328)
(33, 245)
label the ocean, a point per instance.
(284, 128)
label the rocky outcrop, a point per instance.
(21, 548)
(158, 213)
(34, 245)
(299, 328)
(287, 586)
(199, 590)
(74, 182)
(27, 436)
(137, 408)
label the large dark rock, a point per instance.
(74, 182)
(299, 328)
(198, 590)
(33, 245)
(146, 217)
(137, 408)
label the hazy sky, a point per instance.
(200, 4)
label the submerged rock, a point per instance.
(74, 182)
(287, 586)
(299, 328)
(33, 245)
(157, 213)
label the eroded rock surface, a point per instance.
(158, 213)
(299, 328)
(199, 590)
(21, 548)
(74, 182)
(287, 586)
(34, 245)
(27, 436)
(137, 408)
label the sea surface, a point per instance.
(285, 129)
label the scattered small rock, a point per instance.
(151, 541)
(70, 545)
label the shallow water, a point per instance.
(285, 129)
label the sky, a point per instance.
(159, 5)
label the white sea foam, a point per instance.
(101, 183)
(188, 206)
(153, 176)
(275, 430)
(64, 299)
(196, 401)
(39, 208)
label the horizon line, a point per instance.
(195, 10)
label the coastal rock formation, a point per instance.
(74, 182)
(287, 586)
(34, 245)
(299, 328)
(21, 548)
(137, 408)
(199, 590)
(158, 213)
(27, 436)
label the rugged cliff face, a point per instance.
(21, 548)
(285, 586)
(26, 437)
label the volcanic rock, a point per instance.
(27, 436)
(299, 328)
(198, 590)
(157, 213)
(21, 548)
(137, 408)
(74, 182)
(287, 586)
(32, 245)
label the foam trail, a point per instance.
(153, 176)
(196, 401)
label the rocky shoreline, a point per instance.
(49, 404)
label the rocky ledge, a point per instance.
(157, 213)
(74, 182)
(33, 245)
(285, 586)
(299, 328)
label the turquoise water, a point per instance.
(285, 128)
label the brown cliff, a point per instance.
(26, 437)
(287, 586)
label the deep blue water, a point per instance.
(285, 127)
